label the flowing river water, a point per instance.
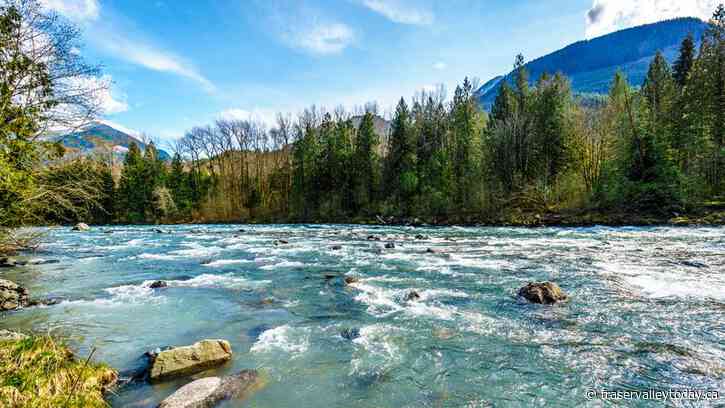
(645, 311)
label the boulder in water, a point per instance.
(421, 236)
(281, 242)
(390, 245)
(336, 247)
(412, 296)
(350, 280)
(545, 293)
(158, 230)
(8, 262)
(433, 251)
(7, 335)
(158, 284)
(208, 392)
(373, 238)
(350, 333)
(12, 295)
(180, 361)
(81, 227)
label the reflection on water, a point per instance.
(645, 311)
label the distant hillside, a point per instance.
(591, 64)
(101, 138)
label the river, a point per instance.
(645, 311)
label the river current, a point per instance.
(645, 311)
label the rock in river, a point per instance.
(180, 361)
(390, 245)
(7, 335)
(208, 392)
(12, 295)
(81, 227)
(7, 262)
(542, 292)
(158, 284)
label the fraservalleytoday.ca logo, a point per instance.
(654, 395)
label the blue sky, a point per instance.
(174, 64)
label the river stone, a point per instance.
(192, 359)
(12, 295)
(8, 262)
(81, 227)
(542, 292)
(158, 284)
(208, 392)
(7, 335)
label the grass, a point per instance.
(39, 372)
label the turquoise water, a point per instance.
(646, 310)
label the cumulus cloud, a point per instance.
(606, 16)
(77, 10)
(109, 103)
(401, 11)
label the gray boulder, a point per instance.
(186, 360)
(7, 335)
(12, 295)
(208, 392)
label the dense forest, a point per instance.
(655, 150)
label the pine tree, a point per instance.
(132, 197)
(401, 178)
(466, 128)
(684, 62)
(366, 163)
(659, 92)
(178, 183)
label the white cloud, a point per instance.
(120, 127)
(266, 116)
(440, 65)
(77, 10)
(306, 28)
(606, 16)
(150, 57)
(401, 11)
(322, 38)
(108, 103)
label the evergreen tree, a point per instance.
(132, 191)
(179, 184)
(366, 163)
(683, 64)
(659, 92)
(466, 128)
(401, 179)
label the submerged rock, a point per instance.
(542, 292)
(389, 245)
(281, 242)
(433, 251)
(350, 333)
(336, 247)
(12, 295)
(81, 227)
(373, 238)
(350, 280)
(208, 392)
(412, 296)
(421, 236)
(159, 231)
(180, 361)
(7, 335)
(158, 284)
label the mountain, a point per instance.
(99, 137)
(591, 64)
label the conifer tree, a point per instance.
(401, 178)
(684, 62)
(366, 163)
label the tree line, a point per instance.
(654, 149)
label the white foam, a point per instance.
(377, 349)
(658, 282)
(283, 264)
(284, 338)
(228, 281)
(226, 262)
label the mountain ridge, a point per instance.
(591, 64)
